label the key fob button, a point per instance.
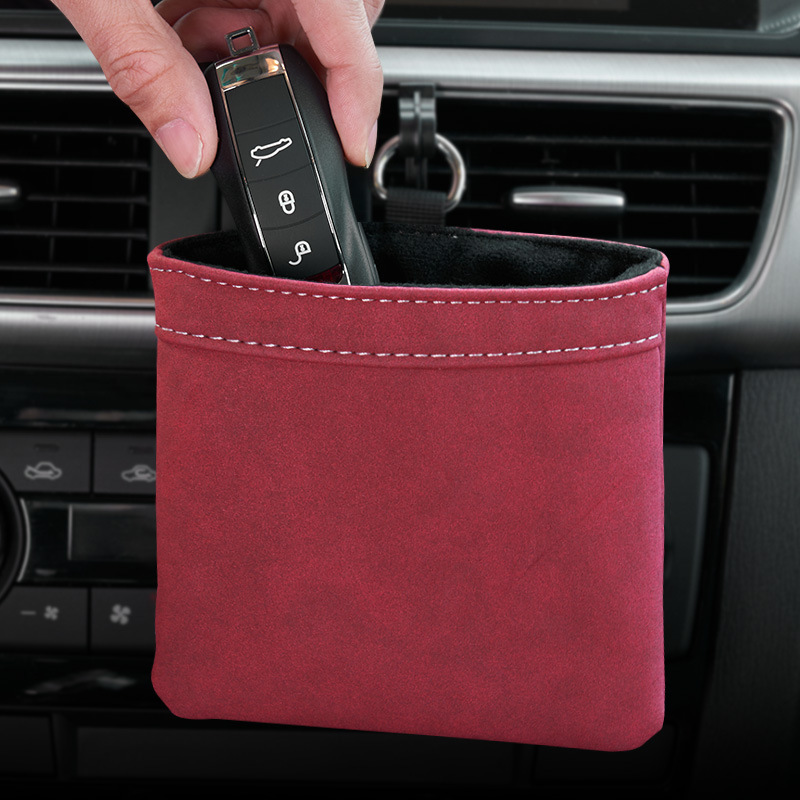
(257, 105)
(302, 251)
(272, 151)
(287, 200)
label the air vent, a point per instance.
(74, 213)
(694, 180)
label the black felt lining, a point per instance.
(461, 257)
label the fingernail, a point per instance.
(182, 145)
(371, 140)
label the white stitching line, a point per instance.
(407, 302)
(409, 355)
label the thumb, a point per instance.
(148, 68)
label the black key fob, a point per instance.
(281, 168)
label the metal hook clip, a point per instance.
(418, 142)
(451, 153)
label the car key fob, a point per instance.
(281, 168)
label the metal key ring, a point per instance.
(452, 155)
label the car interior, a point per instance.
(670, 125)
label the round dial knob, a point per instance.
(11, 536)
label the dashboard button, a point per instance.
(124, 464)
(46, 462)
(123, 620)
(44, 618)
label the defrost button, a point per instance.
(125, 463)
(46, 462)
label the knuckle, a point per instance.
(134, 72)
(373, 9)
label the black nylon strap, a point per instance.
(415, 207)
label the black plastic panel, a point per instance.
(489, 33)
(26, 747)
(289, 755)
(710, 14)
(750, 736)
(531, 36)
(686, 476)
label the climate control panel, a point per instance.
(77, 541)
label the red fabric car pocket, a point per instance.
(415, 507)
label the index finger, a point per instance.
(339, 31)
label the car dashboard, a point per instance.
(693, 130)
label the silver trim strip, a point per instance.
(30, 64)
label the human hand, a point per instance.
(149, 56)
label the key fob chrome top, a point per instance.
(281, 168)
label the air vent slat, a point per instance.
(75, 163)
(90, 198)
(75, 233)
(82, 163)
(695, 244)
(695, 179)
(68, 128)
(119, 269)
(584, 141)
(699, 210)
(698, 285)
(473, 205)
(527, 175)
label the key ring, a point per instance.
(452, 155)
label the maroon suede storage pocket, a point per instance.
(414, 507)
